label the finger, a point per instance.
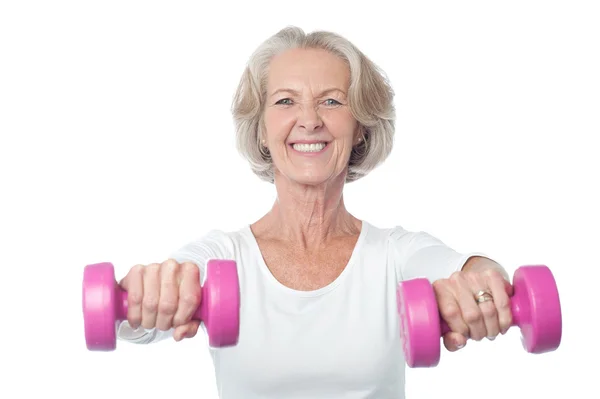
(151, 295)
(501, 291)
(449, 308)
(490, 318)
(133, 284)
(180, 332)
(454, 341)
(189, 293)
(471, 312)
(188, 330)
(194, 325)
(169, 294)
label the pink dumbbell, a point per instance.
(535, 306)
(105, 304)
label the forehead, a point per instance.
(298, 68)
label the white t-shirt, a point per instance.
(340, 341)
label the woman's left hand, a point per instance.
(457, 299)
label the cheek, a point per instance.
(278, 124)
(345, 138)
(341, 123)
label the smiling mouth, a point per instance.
(312, 147)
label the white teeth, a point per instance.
(309, 147)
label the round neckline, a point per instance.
(312, 293)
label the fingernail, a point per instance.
(460, 346)
(491, 338)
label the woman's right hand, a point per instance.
(164, 296)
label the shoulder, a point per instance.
(403, 241)
(213, 244)
(395, 234)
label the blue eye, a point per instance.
(287, 101)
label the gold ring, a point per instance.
(483, 296)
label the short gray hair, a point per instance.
(370, 101)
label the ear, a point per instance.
(262, 138)
(263, 147)
(359, 136)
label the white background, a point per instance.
(117, 145)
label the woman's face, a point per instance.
(310, 130)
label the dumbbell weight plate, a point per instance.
(419, 323)
(100, 316)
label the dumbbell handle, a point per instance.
(122, 302)
(519, 307)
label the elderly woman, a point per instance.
(318, 285)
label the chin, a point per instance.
(314, 179)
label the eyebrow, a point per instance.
(296, 93)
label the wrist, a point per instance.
(481, 264)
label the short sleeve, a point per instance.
(419, 254)
(214, 245)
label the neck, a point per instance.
(309, 216)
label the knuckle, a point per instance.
(492, 273)
(137, 269)
(168, 307)
(190, 268)
(150, 302)
(170, 264)
(191, 299)
(439, 284)
(450, 310)
(152, 268)
(456, 276)
(472, 316)
(134, 297)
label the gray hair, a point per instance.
(370, 100)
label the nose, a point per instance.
(309, 118)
